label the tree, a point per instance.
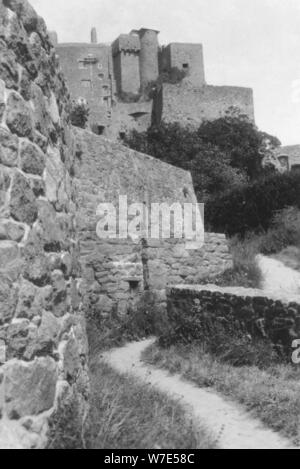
(182, 147)
(79, 114)
(237, 136)
(212, 173)
(223, 154)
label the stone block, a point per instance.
(5, 180)
(44, 339)
(8, 146)
(32, 300)
(54, 175)
(54, 234)
(25, 88)
(32, 159)
(23, 205)
(11, 230)
(17, 338)
(9, 252)
(104, 304)
(29, 387)
(25, 12)
(36, 263)
(8, 67)
(18, 116)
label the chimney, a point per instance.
(94, 36)
(53, 37)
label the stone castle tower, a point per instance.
(112, 80)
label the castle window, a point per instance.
(101, 129)
(86, 83)
(101, 76)
(82, 65)
(185, 66)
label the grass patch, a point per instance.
(128, 415)
(272, 394)
(67, 426)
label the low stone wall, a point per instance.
(241, 309)
(43, 345)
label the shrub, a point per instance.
(144, 320)
(252, 207)
(173, 76)
(236, 135)
(238, 349)
(245, 271)
(225, 341)
(79, 115)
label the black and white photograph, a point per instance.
(149, 227)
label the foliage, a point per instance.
(173, 144)
(238, 137)
(227, 152)
(245, 271)
(252, 207)
(79, 115)
(173, 76)
(144, 320)
(222, 338)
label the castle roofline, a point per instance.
(184, 44)
(141, 30)
(126, 43)
(82, 44)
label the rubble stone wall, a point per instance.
(43, 345)
(118, 271)
(247, 310)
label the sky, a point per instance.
(253, 43)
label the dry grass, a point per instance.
(128, 415)
(271, 394)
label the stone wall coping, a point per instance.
(237, 291)
(135, 154)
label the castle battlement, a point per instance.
(103, 74)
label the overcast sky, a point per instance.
(254, 43)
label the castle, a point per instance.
(105, 76)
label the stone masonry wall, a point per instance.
(42, 331)
(191, 105)
(200, 308)
(118, 271)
